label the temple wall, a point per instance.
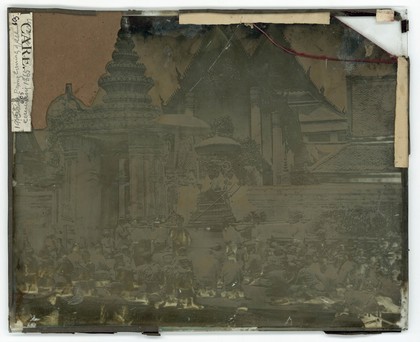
(313, 200)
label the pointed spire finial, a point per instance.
(125, 24)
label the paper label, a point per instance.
(384, 15)
(21, 70)
(207, 18)
(401, 138)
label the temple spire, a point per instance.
(125, 83)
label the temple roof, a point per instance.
(125, 83)
(359, 157)
(220, 55)
(183, 121)
(321, 113)
(218, 144)
(322, 119)
(63, 103)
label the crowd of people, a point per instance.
(160, 265)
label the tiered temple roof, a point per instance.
(125, 83)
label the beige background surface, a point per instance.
(70, 48)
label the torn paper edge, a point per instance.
(401, 137)
(21, 70)
(403, 322)
(387, 36)
(151, 13)
(196, 18)
(385, 15)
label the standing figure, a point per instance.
(231, 276)
(122, 234)
(107, 243)
(232, 238)
(180, 237)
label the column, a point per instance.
(255, 116)
(68, 207)
(189, 103)
(70, 185)
(279, 151)
(134, 165)
(160, 188)
(267, 136)
(147, 188)
(147, 185)
(122, 188)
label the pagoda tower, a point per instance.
(125, 83)
(141, 174)
(112, 153)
